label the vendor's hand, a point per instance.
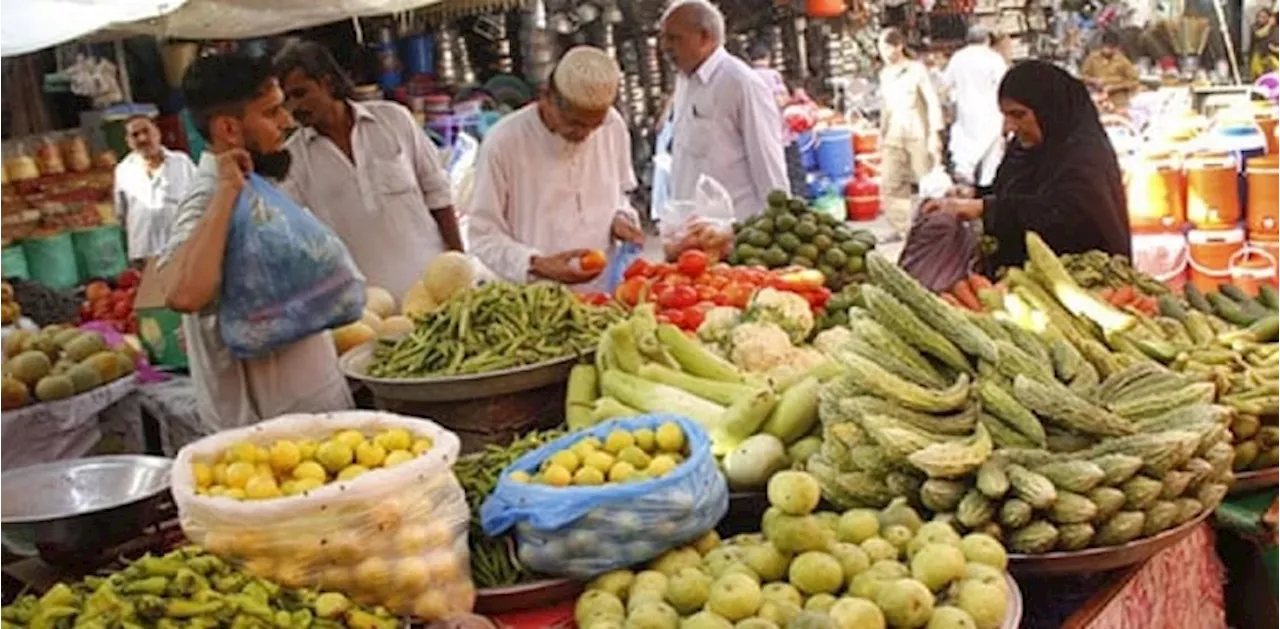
(564, 267)
(964, 209)
(626, 229)
(233, 167)
(962, 191)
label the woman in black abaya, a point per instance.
(1059, 178)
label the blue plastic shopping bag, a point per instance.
(285, 275)
(623, 255)
(581, 532)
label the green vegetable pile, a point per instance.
(836, 311)
(788, 233)
(188, 588)
(1097, 269)
(498, 326)
(1234, 305)
(493, 561)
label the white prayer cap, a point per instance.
(587, 77)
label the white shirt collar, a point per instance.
(358, 112)
(708, 69)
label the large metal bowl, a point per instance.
(67, 511)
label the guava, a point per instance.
(673, 561)
(767, 561)
(717, 560)
(799, 533)
(974, 571)
(906, 603)
(782, 592)
(769, 520)
(819, 602)
(815, 572)
(866, 585)
(650, 581)
(598, 602)
(687, 590)
(984, 602)
(889, 569)
(858, 525)
(829, 519)
(653, 616)
(641, 599)
(984, 549)
(616, 582)
(755, 623)
(877, 549)
(948, 617)
(933, 532)
(856, 613)
(852, 558)
(901, 513)
(898, 535)
(738, 567)
(708, 542)
(604, 623)
(735, 596)
(794, 493)
(778, 612)
(811, 620)
(937, 565)
(705, 620)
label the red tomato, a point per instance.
(692, 263)
(737, 294)
(639, 268)
(630, 291)
(593, 261)
(693, 317)
(674, 317)
(720, 268)
(666, 269)
(707, 293)
(678, 297)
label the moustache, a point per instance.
(274, 164)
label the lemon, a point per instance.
(670, 438)
(351, 471)
(284, 456)
(373, 575)
(291, 574)
(263, 567)
(412, 540)
(335, 578)
(412, 574)
(443, 567)
(352, 438)
(289, 488)
(588, 476)
(618, 440)
(556, 476)
(304, 485)
(420, 446)
(309, 469)
(635, 456)
(261, 488)
(346, 547)
(600, 460)
(334, 455)
(621, 471)
(521, 476)
(431, 605)
(395, 439)
(203, 474)
(234, 493)
(661, 465)
(307, 449)
(239, 473)
(396, 457)
(370, 455)
(583, 448)
(215, 491)
(220, 474)
(566, 459)
(244, 451)
(645, 439)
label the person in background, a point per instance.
(973, 78)
(1111, 71)
(149, 183)
(366, 170)
(238, 107)
(1264, 44)
(910, 128)
(727, 122)
(553, 178)
(1003, 44)
(1059, 178)
(760, 62)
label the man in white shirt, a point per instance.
(727, 122)
(552, 179)
(238, 107)
(149, 183)
(367, 170)
(973, 80)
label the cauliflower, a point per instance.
(788, 311)
(759, 347)
(718, 325)
(828, 341)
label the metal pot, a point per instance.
(70, 511)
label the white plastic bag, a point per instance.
(395, 537)
(705, 223)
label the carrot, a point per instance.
(951, 300)
(979, 281)
(1107, 293)
(964, 294)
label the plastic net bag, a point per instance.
(581, 532)
(393, 536)
(940, 250)
(285, 276)
(705, 223)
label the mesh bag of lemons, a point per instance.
(360, 502)
(613, 495)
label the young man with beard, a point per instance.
(552, 178)
(238, 107)
(149, 182)
(367, 170)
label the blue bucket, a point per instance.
(835, 152)
(419, 54)
(807, 142)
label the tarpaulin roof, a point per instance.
(30, 25)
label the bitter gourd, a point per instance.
(1067, 360)
(946, 320)
(953, 459)
(899, 440)
(1060, 404)
(877, 336)
(960, 423)
(1117, 468)
(1115, 385)
(1175, 484)
(1174, 331)
(941, 495)
(988, 325)
(1015, 513)
(1086, 382)
(1140, 491)
(1188, 509)
(1074, 298)
(1158, 404)
(1211, 494)
(1074, 476)
(1073, 537)
(1013, 362)
(975, 509)
(1160, 516)
(900, 320)
(1033, 488)
(1004, 436)
(1072, 508)
(998, 402)
(1027, 341)
(1121, 528)
(902, 392)
(992, 481)
(1034, 539)
(1200, 470)
(1109, 501)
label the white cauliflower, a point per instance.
(718, 325)
(759, 347)
(788, 311)
(829, 340)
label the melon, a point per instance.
(379, 301)
(418, 302)
(29, 367)
(447, 275)
(395, 326)
(351, 336)
(52, 388)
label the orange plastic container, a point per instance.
(1268, 126)
(1252, 267)
(1213, 191)
(1156, 191)
(1210, 253)
(1162, 256)
(1272, 248)
(824, 8)
(1263, 211)
(865, 142)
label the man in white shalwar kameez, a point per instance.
(552, 179)
(973, 80)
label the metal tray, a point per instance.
(1013, 613)
(1093, 560)
(526, 596)
(1255, 480)
(355, 364)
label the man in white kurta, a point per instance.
(149, 183)
(552, 179)
(727, 122)
(973, 80)
(367, 170)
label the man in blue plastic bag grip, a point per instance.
(238, 108)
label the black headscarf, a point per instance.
(1068, 188)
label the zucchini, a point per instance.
(694, 358)
(900, 320)
(1062, 405)
(1229, 309)
(580, 396)
(946, 320)
(1172, 308)
(1267, 296)
(1235, 293)
(1196, 299)
(1263, 330)
(1074, 298)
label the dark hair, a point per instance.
(894, 37)
(147, 117)
(1111, 38)
(758, 51)
(222, 84)
(316, 62)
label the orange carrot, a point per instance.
(951, 300)
(979, 281)
(963, 293)
(1124, 295)
(1107, 293)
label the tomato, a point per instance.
(665, 269)
(678, 297)
(639, 268)
(674, 317)
(631, 291)
(707, 293)
(737, 294)
(692, 263)
(693, 317)
(593, 261)
(817, 298)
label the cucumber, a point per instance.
(1172, 308)
(1229, 309)
(1234, 292)
(1268, 296)
(1196, 299)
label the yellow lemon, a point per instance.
(352, 438)
(618, 440)
(335, 578)
(292, 574)
(566, 459)
(284, 456)
(431, 605)
(583, 448)
(645, 439)
(307, 449)
(588, 476)
(373, 575)
(261, 488)
(395, 439)
(239, 473)
(443, 566)
(203, 474)
(621, 472)
(309, 469)
(351, 471)
(289, 488)
(439, 534)
(421, 446)
(262, 567)
(235, 493)
(602, 461)
(220, 543)
(556, 476)
(670, 438)
(396, 457)
(387, 515)
(304, 485)
(520, 476)
(249, 544)
(346, 547)
(370, 455)
(412, 574)
(661, 465)
(244, 451)
(334, 455)
(220, 474)
(412, 540)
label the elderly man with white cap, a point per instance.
(553, 178)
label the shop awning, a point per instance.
(30, 25)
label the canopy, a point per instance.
(30, 25)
